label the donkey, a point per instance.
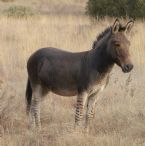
(84, 74)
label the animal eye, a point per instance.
(117, 45)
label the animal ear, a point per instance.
(129, 26)
(116, 25)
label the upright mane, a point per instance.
(100, 36)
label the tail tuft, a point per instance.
(28, 96)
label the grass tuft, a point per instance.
(19, 12)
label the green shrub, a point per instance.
(18, 11)
(116, 8)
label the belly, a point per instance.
(64, 92)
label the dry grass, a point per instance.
(75, 7)
(120, 112)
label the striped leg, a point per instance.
(90, 109)
(81, 102)
(35, 107)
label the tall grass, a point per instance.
(73, 7)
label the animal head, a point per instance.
(118, 45)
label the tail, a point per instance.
(28, 96)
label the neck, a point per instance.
(99, 58)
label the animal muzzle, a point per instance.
(127, 68)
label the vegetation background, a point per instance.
(28, 25)
(116, 8)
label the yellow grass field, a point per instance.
(120, 111)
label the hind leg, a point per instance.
(35, 107)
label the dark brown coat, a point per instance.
(83, 73)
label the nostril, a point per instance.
(128, 66)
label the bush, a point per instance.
(116, 8)
(18, 11)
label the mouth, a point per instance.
(127, 68)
